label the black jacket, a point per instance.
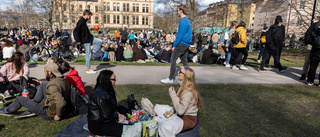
(103, 107)
(277, 33)
(209, 57)
(81, 33)
(119, 53)
(310, 39)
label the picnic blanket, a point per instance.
(75, 129)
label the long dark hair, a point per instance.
(104, 81)
(16, 61)
(64, 66)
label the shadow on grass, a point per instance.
(2, 126)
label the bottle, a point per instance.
(147, 132)
(25, 92)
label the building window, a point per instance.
(143, 8)
(302, 4)
(64, 7)
(80, 7)
(96, 19)
(123, 19)
(72, 7)
(124, 7)
(108, 19)
(137, 20)
(147, 8)
(114, 19)
(104, 19)
(128, 7)
(118, 19)
(97, 9)
(65, 19)
(73, 19)
(104, 6)
(137, 10)
(133, 20)
(299, 21)
(118, 6)
(114, 6)
(108, 6)
(128, 20)
(134, 7)
(142, 20)
(57, 18)
(147, 21)
(88, 7)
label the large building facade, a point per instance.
(111, 14)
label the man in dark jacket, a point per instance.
(124, 35)
(274, 37)
(312, 37)
(83, 37)
(277, 35)
(209, 57)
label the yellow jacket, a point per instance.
(243, 38)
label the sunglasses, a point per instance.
(180, 72)
(114, 79)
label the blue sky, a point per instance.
(204, 3)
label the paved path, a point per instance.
(204, 75)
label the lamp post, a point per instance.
(314, 10)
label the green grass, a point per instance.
(229, 110)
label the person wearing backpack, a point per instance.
(240, 42)
(312, 37)
(229, 43)
(263, 41)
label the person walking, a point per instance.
(181, 44)
(312, 37)
(263, 41)
(83, 37)
(229, 43)
(240, 47)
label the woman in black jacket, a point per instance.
(103, 117)
(209, 57)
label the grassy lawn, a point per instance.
(229, 110)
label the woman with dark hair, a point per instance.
(229, 44)
(240, 47)
(103, 117)
(71, 75)
(10, 73)
(137, 53)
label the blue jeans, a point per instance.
(230, 54)
(250, 47)
(97, 45)
(261, 51)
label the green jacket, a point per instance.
(58, 96)
(127, 54)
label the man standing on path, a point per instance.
(181, 44)
(83, 37)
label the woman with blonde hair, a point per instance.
(186, 101)
(128, 53)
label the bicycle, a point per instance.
(42, 52)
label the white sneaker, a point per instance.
(228, 66)
(234, 67)
(258, 61)
(91, 72)
(166, 81)
(243, 67)
(225, 63)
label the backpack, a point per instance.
(235, 38)
(263, 39)
(315, 35)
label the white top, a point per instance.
(8, 52)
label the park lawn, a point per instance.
(228, 110)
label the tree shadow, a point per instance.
(2, 126)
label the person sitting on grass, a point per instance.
(102, 54)
(103, 118)
(166, 53)
(57, 101)
(186, 102)
(13, 69)
(128, 53)
(137, 53)
(119, 52)
(8, 50)
(111, 53)
(209, 57)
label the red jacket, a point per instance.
(75, 80)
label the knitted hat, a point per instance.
(53, 68)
